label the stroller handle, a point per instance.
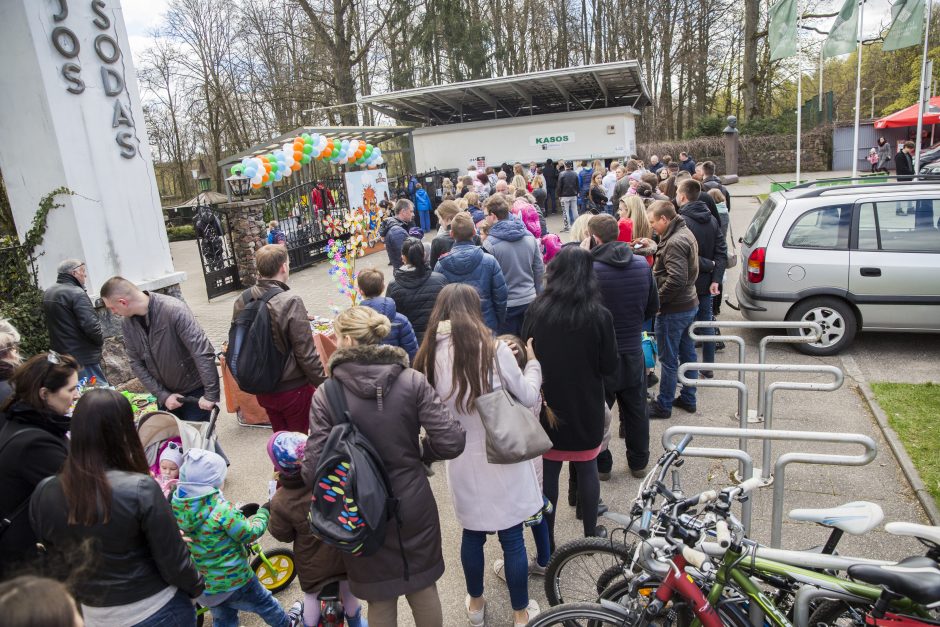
(213, 415)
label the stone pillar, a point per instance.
(246, 219)
(731, 151)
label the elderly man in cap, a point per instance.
(74, 327)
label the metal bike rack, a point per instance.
(780, 465)
(762, 346)
(837, 376)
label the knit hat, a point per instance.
(172, 453)
(551, 244)
(286, 450)
(202, 472)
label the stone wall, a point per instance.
(757, 154)
(246, 219)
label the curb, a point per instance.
(900, 453)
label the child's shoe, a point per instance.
(296, 614)
(357, 620)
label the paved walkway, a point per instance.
(807, 486)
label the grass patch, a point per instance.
(912, 411)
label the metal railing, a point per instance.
(870, 450)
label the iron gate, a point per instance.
(214, 238)
(300, 212)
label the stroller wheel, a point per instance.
(284, 569)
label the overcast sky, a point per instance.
(143, 16)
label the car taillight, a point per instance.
(755, 265)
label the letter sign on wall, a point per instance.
(551, 140)
(108, 52)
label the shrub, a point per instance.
(181, 233)
(710, 126)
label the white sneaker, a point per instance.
(477, 618)
(532, 610)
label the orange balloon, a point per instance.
(264, 178)
(295, 166)
(255, 185)
(298, 155)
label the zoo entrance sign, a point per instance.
(67, 44)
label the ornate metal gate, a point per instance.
(214, 238)
(300, 212)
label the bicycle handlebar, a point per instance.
(723, 534)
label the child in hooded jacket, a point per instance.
(317, 563)
(219, 532)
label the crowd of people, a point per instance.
(493, 302)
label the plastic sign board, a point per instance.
(554, 139)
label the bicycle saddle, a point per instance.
(915, 580)
(921, 532)
(857, 517)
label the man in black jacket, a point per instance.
(74, 327)
(905, 162)
(629, 292)
(568, 188)
(550, 174)
(712, 259)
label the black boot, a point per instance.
(572, 486)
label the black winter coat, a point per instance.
(574, 363)
(139, 551)
(568, 185)
(26, 459)
(712, 248)
(415, 292)
(550, 172)
(713, 182)
(74, 328)
(628, 290)
(904, 163)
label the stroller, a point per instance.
(157, 429)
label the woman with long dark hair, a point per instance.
(105, 500)
(415, 287)
(574, 342)
(33, 445)
(460, 359)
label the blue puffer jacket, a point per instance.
(468, 264)
(422, 200)
(402, 334)
(395, 233)
(628, 291)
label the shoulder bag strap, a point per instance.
(499, 373)
(337, 399)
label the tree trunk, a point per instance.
(749, 71)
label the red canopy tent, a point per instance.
(908, 116)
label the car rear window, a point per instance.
(758, 222)
(823, 227)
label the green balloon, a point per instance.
(335, 152)
(306, 137)
(305, 159)
(272, 159)
(368, 152)
(308, 148)
(274, 167)
(237, 169)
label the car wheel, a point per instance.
(836, 318)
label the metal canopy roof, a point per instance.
(599, 86)
(371, 134)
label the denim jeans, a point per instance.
(705, 315)
(514, 555)
(93, 370)
(675, 347)
(569, 206)
(191, 411)
(513, 322)
(629, 390)
(178, 612)
(252, 597)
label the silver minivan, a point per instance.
(850, 257)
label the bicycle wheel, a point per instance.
(575, 571)
(838, 614)
(733, 611)
(582, 615)
(284, 569)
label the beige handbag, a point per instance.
(513, 433)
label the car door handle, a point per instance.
(871, 271)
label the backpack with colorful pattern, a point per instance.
(352, 499)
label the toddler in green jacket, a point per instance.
(219, 533)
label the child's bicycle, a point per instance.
(275, 568)
(332, 613)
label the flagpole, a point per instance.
(858, 91)
(799, 94)
(920, 100)
(821, 66)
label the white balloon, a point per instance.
(256, 180)
(288, 148)
(315, 138)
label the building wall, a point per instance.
(91, 140)
(843, 139)
(511, 140)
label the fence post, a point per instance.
(246, 220)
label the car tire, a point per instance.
(835, 316)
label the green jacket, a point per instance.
(219, 533)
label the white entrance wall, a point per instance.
(72, 117)
(595, 134)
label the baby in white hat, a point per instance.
(170, 461)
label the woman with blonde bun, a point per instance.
(391, 404)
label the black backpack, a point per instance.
(253, 358)
(352, 498)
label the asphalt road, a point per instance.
(876, 357)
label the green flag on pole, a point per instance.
(782, 31)
(907, 25)
(843, 37)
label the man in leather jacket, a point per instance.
(74, 327)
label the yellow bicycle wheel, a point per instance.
(284, 569)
